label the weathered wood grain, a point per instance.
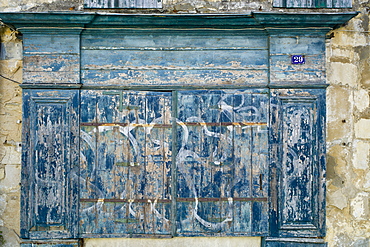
(129, 178)
(175, 40)
(50, 170)
(186, 163)
(161, 59)
(283, 72)
(52, 59)
(51, 44)
(188, 59)
(215, 165)
(297, 122)
(299, 44)
(173, 77)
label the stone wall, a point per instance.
(348, 116)
(10, 135)
(348, 135)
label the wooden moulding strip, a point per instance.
(128, 124)
(170, 125)
(126, 200)
(258, 199)
(239, 199)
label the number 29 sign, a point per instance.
(298, 59)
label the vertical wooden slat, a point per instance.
(133, 154)
(243, 166)
(260, 169)
(259, 150)
(224, 166)
(227, 166)
(158, 159)
(220, 156)
(209, 212)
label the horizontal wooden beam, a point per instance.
(36, 22)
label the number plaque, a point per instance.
(298, 59)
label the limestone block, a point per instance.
(12, 67)
(361, 154)
(12, 155)
(343, 74)
(2, 173)
(343, 54)
(357, 24)
(366, 185)
(362, 128)
(341, 158)
(12, 178)
(11, 215)
(363, 242)
(361, 99)
(360, 206)
(339, 105)
(338, 96)
(345, 38)
(10, 237)
(341, 240)
(366, 82)
(11, 50)
(3, 203)
(337, 199)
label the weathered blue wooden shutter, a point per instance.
(298, 162)
(222, 153)
(50, 164)
(221, 163)
(126, 156)
(313, 3)
(111, 4)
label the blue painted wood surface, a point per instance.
(222, 153)
(181, 132)
(298, 162)
(52, 58)
(156, 59)
(50, 164)
(126, 163)
(50, 245)
(293, 242)
(282, 71)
